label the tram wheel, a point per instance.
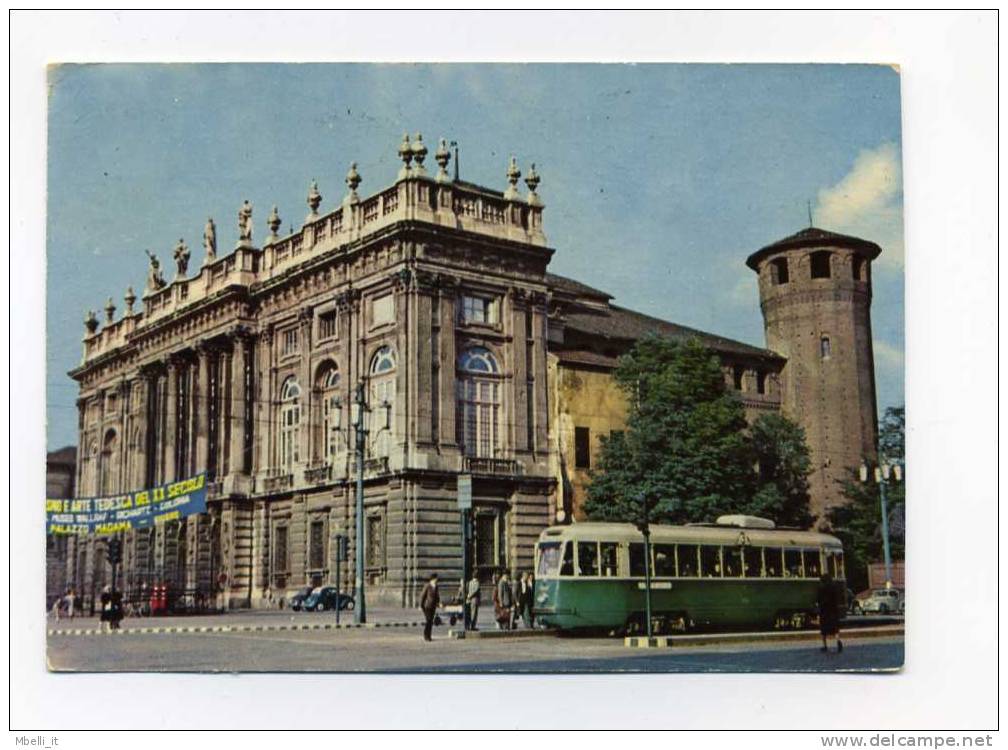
(634, 624)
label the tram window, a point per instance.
(792, 563)
(637, 560)
(587, 558)
(710, 561)
(664, 560)
(608, 558)
(752, 562)
(688, 560)
(773, 557)
(813, 567)
(567, 566)
(836, 567)
(732, 557)
(549, 559)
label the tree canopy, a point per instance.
(687, 447)
(858, 523)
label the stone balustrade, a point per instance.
(413, 198)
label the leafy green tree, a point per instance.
(685, 448)
(783, 465)
(858, 523)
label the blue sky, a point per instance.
(658, 180)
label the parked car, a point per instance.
(297, 601)
(324, 597)
(883, 602)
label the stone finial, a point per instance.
(353, 179)
(245, 225)
(273, 222)
(210, 240)
(155, 280)
(513, 173)
(91, 322)
(442, 156)
(419, 154)
(314, 199)
(532, 180)
(130, 299)
(181, 258)
(110, 309)
(406, 154)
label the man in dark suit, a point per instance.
(430, 600)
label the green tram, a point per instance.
(740, 572)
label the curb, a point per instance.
(200, 629)
(674, 641)
(503, 634)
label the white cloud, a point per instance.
(887, 356)
(868, 202)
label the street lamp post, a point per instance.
(881, 476)
(360, 612)
(645, 528)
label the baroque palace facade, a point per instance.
(432, 295)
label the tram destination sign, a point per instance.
(134, 510)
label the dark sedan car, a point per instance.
(324, 597)
(297, 601)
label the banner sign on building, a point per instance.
(133, 510)
(464, 491)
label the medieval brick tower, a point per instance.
(815, 293)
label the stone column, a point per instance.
(236, 463)
(202, 409)
(519, 412)
(538, 371)
(446, 361)
(171, 421)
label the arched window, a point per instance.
(290, 423)
(779, 271)
(382, 399)
(330, 439)
(478, 413)
(109, 462)
(858, 268)
(820, 264)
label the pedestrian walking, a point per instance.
(504, 603)
(105, 616)
(531, 599)
(116, 610)
(517, 594)
(525, 602)
(472, 600)
(829, 611)
(71, 603)
(430, 600)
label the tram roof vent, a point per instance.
(745, 522)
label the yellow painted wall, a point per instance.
(581, 398)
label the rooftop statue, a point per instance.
(181, 257)
(210, 241)
(245, 224)
(155, 280)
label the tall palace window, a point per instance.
(382, 399)
(332, 412)
(290, 423)
(477, 418)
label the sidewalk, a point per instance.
(258, 621)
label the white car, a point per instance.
(883, 602)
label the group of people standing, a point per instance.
(511, 601)
(65, 605)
